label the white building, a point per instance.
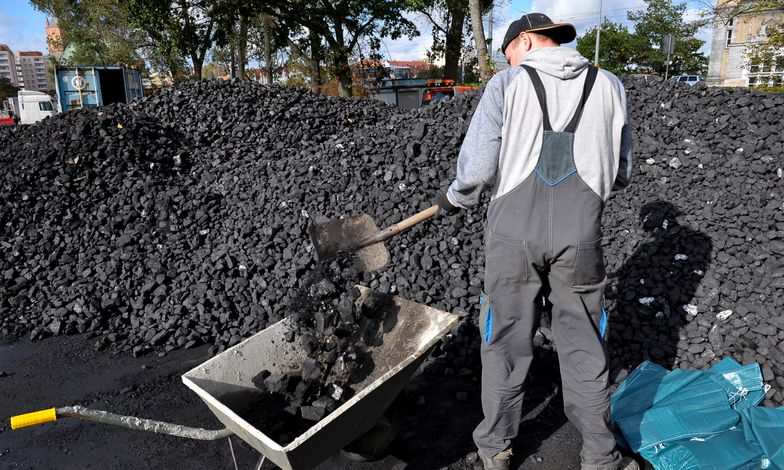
(732, 37)
(32, 71)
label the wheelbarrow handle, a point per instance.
(401, 226)
(131, 422)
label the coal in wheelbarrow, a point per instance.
(410, 331)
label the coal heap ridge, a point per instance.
(181, 219)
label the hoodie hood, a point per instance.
(560, 62)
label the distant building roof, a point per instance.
(410, 63)
(30, 53)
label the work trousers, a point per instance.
(548, 258)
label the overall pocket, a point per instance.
(589, 264)
(505, 258)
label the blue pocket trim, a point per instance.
(489, 325)
(603, 324)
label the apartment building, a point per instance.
(8, 65)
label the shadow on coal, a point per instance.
(650, 294)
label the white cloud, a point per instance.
(16, 33)
(705, 33)
(409, 49)
(583, 15)
(587, 14)
(405, 49)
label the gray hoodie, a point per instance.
(502, 145)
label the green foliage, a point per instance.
(769, 51)
(450, 24)
(7, 89)
(183, 28)
(448, 20)
(342, 24)
(770, 89)
(616, 52)
(95, 31)
(662, 17)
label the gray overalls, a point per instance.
(543, 238)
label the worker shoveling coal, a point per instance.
(552, 164)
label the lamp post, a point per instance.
(598, 34)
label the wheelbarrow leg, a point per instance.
(233, 457)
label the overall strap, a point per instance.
(540, 93)
(589, 81)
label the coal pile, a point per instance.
(181, 220)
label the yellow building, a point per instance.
(729, 64)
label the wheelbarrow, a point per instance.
(224, 383)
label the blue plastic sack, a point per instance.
(690, 420)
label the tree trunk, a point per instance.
(343, 72)
(267, 21)
(198, 62)
(242, 47)
(315, 62)
(175, 69)
(342, 69)
(479, 39)
(232, 63)
(453, 44)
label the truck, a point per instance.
(93, 86)
(29, 107)
(412, 93)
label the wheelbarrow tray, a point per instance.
(411, 330)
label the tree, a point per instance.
(187, 27)
(95, 31)
(342, 23)
(447, 19)
(479, 40)
(7, 89)
(659, 18)
(615, 51)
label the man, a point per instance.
(551, 138)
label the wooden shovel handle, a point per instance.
(393, 230)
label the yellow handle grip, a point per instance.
(33, 419)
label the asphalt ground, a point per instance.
(59, 371)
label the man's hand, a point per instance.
(447, 208)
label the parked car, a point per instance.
(688, 79)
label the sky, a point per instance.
(23, 28)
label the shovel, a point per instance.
(359, 235)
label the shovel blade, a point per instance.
(339, 238)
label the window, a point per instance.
(729, 37)
(45, 105)
(683, 79)
(752, 81)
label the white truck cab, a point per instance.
(32, 106)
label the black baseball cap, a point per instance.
(541, 24)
